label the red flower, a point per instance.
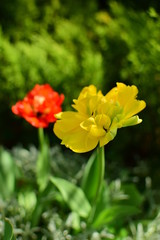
(39, 106)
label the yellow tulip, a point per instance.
(97, 117)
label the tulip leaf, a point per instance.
(73, 196)
(113, 213)
(73, 221)
(8, 230)
(91, 176)
(7, 173)
(134, 196)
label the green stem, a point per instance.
(42, 173)
(41, 137)
(42, 167)
(101, 160)
(40, 158)
(101, 170)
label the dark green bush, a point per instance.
(70, 49)
(71, 44)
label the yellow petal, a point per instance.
(111, 96)
(97, 132)
(88, 105)
(58, 115)
(103, 121)
(133, 107)
(110, 109)
(81, 106)
(69, 122)
(68, 129)
(79, 141)
(97, 127)
(88, 100)
(126, 93)
(90, 90)
(86, 124)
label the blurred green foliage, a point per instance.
(28, 214)
(70, 44)
(73, 44)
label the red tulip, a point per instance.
(39, 106)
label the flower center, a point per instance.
(97, 126)
(39, 114)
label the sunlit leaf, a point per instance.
(8, 231)
(27, 199)
(73, 221)
(73, 196)
(134, 196)
(91, 177)
(7, 173)
(114, 213)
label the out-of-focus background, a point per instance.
(71, 44)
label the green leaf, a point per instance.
(104, 200)
(73, 221)
(44, 199)
(27, 198)
(91, 176)
(8, 231)
(113, 213)
(7, 173)
(73, 196)
(134, 197)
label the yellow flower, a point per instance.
(97, 117)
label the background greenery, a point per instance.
(71, 44)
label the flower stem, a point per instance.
(42, 167)
(41, 137)
(101, 161)
(101, 169)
